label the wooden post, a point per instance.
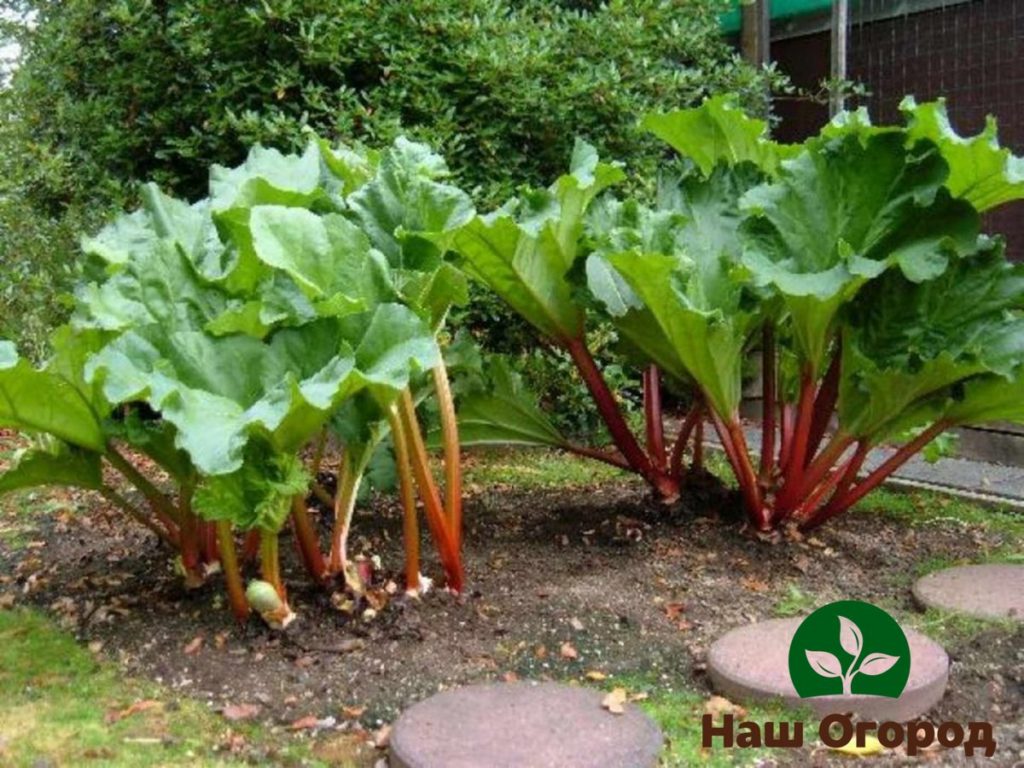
(840, 22)
(755, 31)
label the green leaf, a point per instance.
(504, 412)
(980, 171)
(267, 177)
(327, 256)
(841, 213)
(716, 132)
(408, 214)
(157, 286)
(906, 342)
(66, 466)
(682, 265)
(220, 391)
(525, 251)
(258, 495)
(41, 401)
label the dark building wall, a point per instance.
(970, 52)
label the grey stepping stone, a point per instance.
(522, 725)
(751, 663)
(983, 591)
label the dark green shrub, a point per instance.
(112, 91)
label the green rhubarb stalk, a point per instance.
(452, 460)
(407, 492)
(353, 465)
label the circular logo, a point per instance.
(849, 647)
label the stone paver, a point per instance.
(751, 663)
(522, 725)
(983, 591)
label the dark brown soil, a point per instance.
(632, 589)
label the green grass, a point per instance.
(795, 602)
(537, 468)
(919, 508)
(951, 629)
(678, 712)
(57, 702)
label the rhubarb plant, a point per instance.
(226, 337)
(854, 266)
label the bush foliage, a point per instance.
(116, 91)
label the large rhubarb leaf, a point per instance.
(406, 209)
(525, 251)
(980, 171)
(503, 412)
(908, 342)
(691, 282)
(43, 402)
(65, 465)
(841, 213)
(716, 132)
(219, 392)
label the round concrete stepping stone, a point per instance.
(522, 725)
(751, 663)
(983, 591)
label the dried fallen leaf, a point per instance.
(568, 651)
(872, 746)
(7, 600)
(754, 584)
(641, 696)
(304, 723)
(595, 675)
(235, 712)
(674, 610)
(194, 645)
(510, 677)
(614, 701)
(716, 706)
(540, 652)
(114, 716)
(353, 713)
(382, 737)
(576, 624)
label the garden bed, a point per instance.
(571, 577)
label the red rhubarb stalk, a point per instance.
(612, 458)
(735, 445)
(307, 540)
(824, 404)
(697, 463)
(852, 495)
(232, 573)
(653, 416)
(767, 404)
(798, 452)
(613, 419)
(786, 436)
(693, 418)
(792, 496)
(251, 545)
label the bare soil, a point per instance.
(561, 583)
